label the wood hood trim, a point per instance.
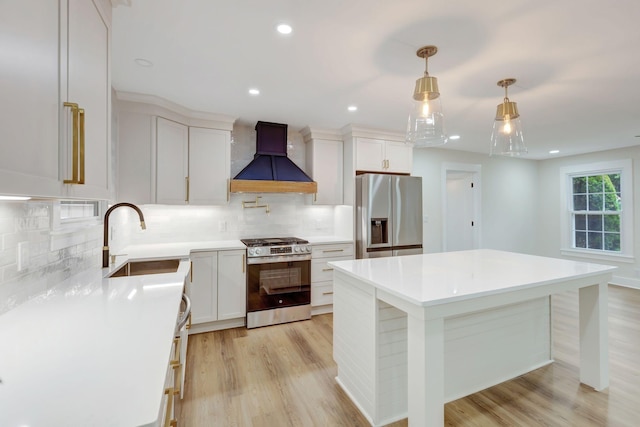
(258, 186)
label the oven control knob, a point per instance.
(297, 249)
(258, 251)
(252, 251)
(307, 248)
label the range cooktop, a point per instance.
(273, 241)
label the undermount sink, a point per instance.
(138, 268)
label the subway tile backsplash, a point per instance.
(48, 256)
(290, 215)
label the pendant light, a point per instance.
(426, 121)
(506, 138)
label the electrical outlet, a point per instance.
(23, 256)
(222, 225)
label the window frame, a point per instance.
(624, 168)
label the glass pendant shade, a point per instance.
(426, 124)
(425, 127)
(506, 137)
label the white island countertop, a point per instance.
(438, 278)
(90, 352)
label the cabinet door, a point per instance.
(370, 154)
(29, 79)
(204, 287)
(209, 160)
(88, 85)
(326, 170)
(399, 156)
(232, 285)
(171, 162)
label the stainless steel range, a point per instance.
(278, 280)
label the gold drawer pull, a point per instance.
(327, 269)
(177, 379)
(327, 293)
(176, 352)
(332, 250)
(168, 413)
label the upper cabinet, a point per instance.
(373, 150)
(55, 56)
(325, 165)
(192, 164)
(87, 86)
(170, 155)
(378, 155)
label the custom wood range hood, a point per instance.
(271, 171)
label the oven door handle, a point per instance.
(275, 259)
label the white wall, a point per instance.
(549, 209)
(509, 198)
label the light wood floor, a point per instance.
(284, 376)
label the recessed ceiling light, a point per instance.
(284, 29)
(143, 62)
(254, 92)
(454, 137)
(554, 151)
(352, 108)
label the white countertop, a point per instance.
(432, 279)
(91, 352)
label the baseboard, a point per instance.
(627, 282)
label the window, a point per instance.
(596, 212)
(596, 219)
(80, 209)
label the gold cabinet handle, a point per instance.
(168, 413)
(327, 293)
(186, 180)
(177, 379)
(243, 264)
(74, 143)
(176, 352)
(228, 189)
(81, 155)
(327, 269)
(332, 250)
(191, 271)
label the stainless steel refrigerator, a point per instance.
(388, 215)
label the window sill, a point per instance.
(598, 255)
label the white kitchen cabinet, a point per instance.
(172, 159)
(376, 155)
(218, 288)
(88, 86)
(59, 54)
(204, 287)
(322, 272)
(232, 284)
(209, 163)
(325, 165)
(192, 164)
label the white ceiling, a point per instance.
(577, 63)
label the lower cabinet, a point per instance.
(218, 290)
(322, 273)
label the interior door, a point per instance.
(460, 220)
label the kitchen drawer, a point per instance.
(332, 250)
(322, 293)
(321, 270)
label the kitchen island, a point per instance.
(414, 332)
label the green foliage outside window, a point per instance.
(597, 203)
